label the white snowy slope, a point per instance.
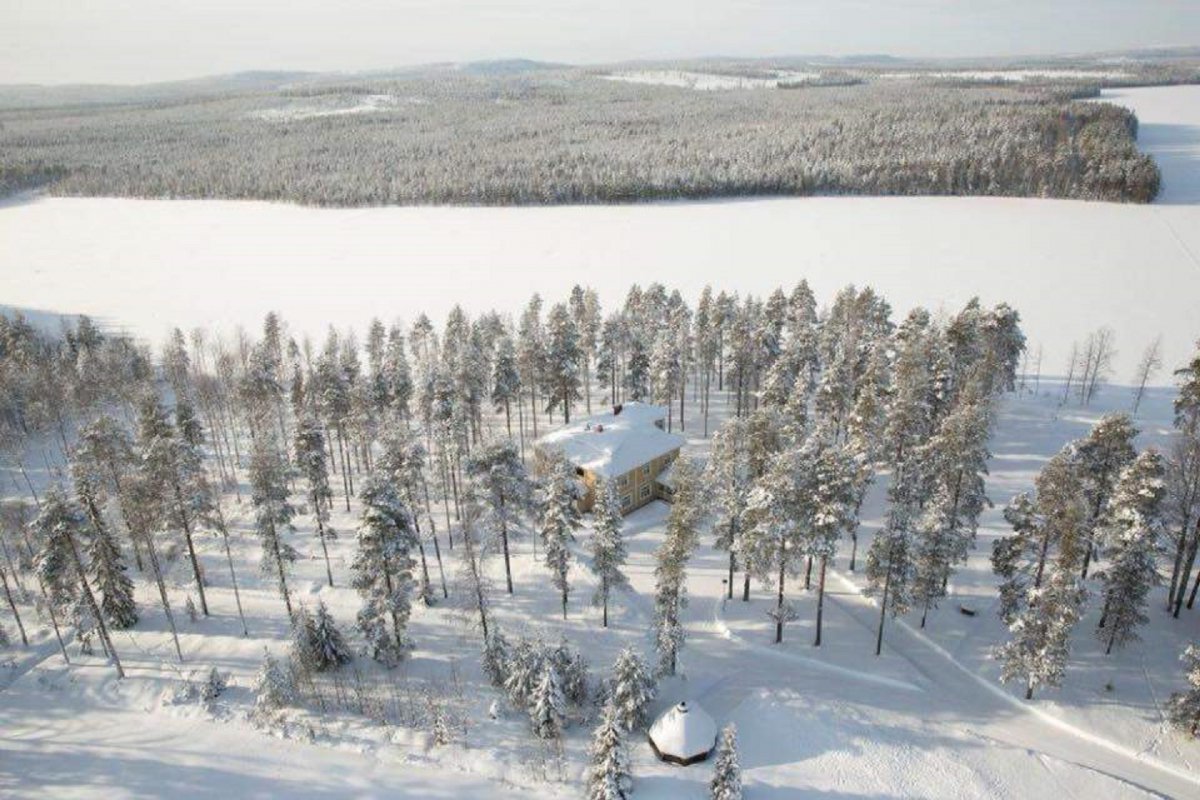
(1068, 266)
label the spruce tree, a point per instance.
(383, 569)
(547, 704)
(329, 649)
(311, 461)
(608, 548)
(1183, 709)
(726, 783)
(496, 658)
(563, 362)
(272, 515)
(60, 525)
(670, 571)
(558, 519)
(609, 776)
(728, 473)
(631, 689)
(274, 689)
(108, 576)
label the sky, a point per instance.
(139, 41)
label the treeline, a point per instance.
(569, 137)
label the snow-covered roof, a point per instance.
(683, 733)
(612, 444)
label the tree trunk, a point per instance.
(62, 646)
(1186, 573)
(237, 596)
(887, 585)
(16, 615)
(156, 568)
(779, 597)
(746, 586)
(283, 589)
(187, 535)
(808, 575)
(504, 543)
(604, 595)
(853, 549)
(820, 600)
(321, 536)
(731, 567)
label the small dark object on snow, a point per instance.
(966, 611)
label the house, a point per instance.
(629, 445)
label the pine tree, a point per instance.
(501, 487)
(383, 569)
(726, 783)
(609, 776)
(1040, 633)
(1130, 535)
(1101, 455)
(890, 566)
(631, 689)
(670, 571)
(272, 515)
(1043, 523)
(506, 382)
(608, 548)
(1183, 709)
(563, 361)
(558, 519)
(547, 705)
(313, 466)
(956, 459)
(728, 473)
(1042, 595)
(328, 647)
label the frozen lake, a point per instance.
(1068, 266)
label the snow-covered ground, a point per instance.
(1068, 266)
(708, 81)
(360, 104)
(927, 719)
(1014, 75)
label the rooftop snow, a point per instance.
(610, 444)
(684, 731)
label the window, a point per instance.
(646, 470)
(645, 491)
(623, 480)
(626, 501)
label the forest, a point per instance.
(425, 432)
(569, 135)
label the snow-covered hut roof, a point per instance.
(612, 444)
(684, 734)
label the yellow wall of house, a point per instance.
(638, 484)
